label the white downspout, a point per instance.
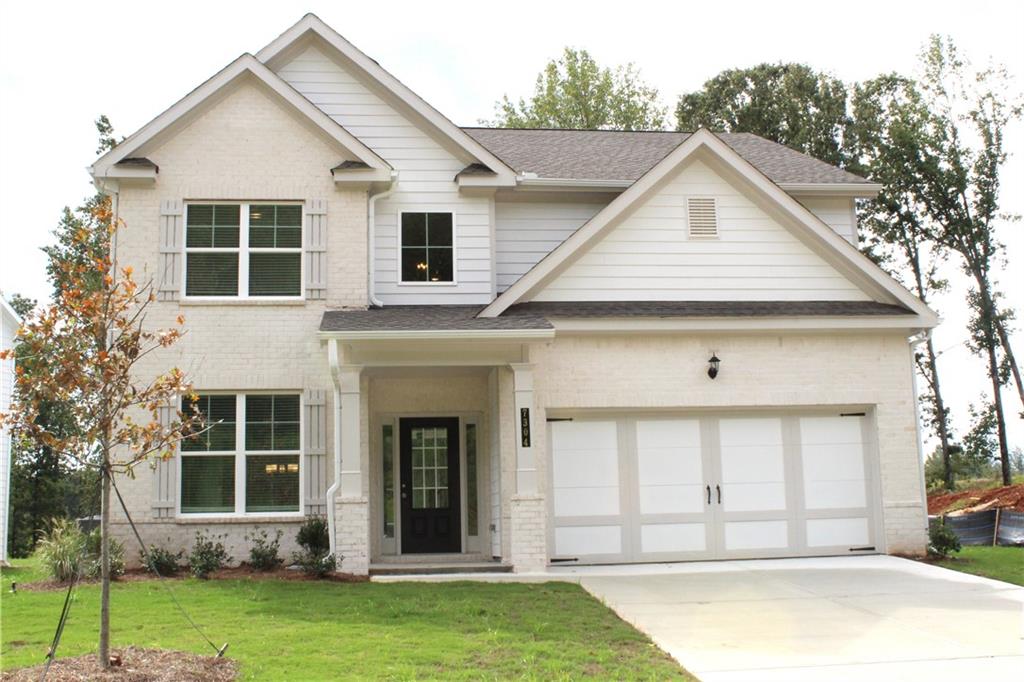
(915, 341)
(371, 239)
(334, 360)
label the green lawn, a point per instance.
(281, 630)
(1000, 563)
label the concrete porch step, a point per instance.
(405, 568)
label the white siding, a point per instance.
(426, 180)
(836, 212)
(528, 231)
(8, 327)
(650, 257)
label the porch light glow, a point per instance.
(270, 468)
(421, 266)
(713, 363)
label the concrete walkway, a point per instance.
(850, 618)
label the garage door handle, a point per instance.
(718, 488)
(709, 493)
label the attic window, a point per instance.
(702, 217)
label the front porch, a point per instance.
(435, 454)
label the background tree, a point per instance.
(82, 353)
(791, 104)
(576, 92)
(952, 166)
(896, 232)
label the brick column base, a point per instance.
(529, 534)
(352, 540)
(906, 529)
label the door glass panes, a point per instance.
(471, 498)
(388, 456)
(430, 468)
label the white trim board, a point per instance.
(246, 65)
(804, 224)
(312, 24)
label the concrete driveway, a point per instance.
(849, 618)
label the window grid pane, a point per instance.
(219, 420)
(275, 226)
(208, 484)
(271, 422)
(430, 468)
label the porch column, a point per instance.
(351, 507)
(529, 514)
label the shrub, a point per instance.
(263, 556)
(208, 555)
(62, 549)
(315, 558)
(313, 536)
(161, 560)
(93, 566)
(942, 541)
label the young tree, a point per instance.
(896, 229)
(576, 92)
(791, 104)
(82, 353)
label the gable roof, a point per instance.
(312, 24)
(245, 65)
(619, 155)
(841, 254)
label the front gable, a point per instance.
(652, 256)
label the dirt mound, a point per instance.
(136, 665)
(963, 502)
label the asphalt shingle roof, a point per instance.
(531, 316)
(625, 156)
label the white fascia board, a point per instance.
(362, 175)
(245, 64)
(313, 23)
(559, 184)
(496, 180)
(9, 311)
(823, 237)
(442, 334)
(859, 190)
(606, 325)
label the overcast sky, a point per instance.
(62, 64)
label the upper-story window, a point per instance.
(428, 248)
(243, 250)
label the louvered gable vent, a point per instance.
(702, 217)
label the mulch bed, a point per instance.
(242, 572)
(968, 501)
(136, 665)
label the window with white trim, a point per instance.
(427, 248)
(247, 458)
(243, 250)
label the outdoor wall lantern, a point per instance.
(713, 363)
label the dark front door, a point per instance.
(429, 450)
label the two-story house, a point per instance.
(511, 347)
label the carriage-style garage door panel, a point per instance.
(710, 486)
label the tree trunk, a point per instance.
(104, 652)
(997, 401)
(1004, 339)
(940, 410)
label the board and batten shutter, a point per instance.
(165, 475)
(316, 249)
(316, 452)
(170, 259)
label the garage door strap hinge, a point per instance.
(862, 549)
(562, 560)
(853, 414)
(559, 419)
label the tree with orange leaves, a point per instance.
(82, 352)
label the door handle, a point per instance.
(718, 488)
(709, 493)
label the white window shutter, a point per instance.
(165, 476)
(170, 259)
(316, 249)
(702, 217)
(315, 455)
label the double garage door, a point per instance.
(670, 488)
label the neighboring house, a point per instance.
(9, 323)
(468, 344)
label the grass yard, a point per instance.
(281, 630)
(999, 563)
